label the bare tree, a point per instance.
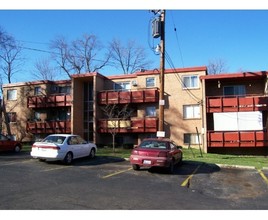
(116, 117)
(10, 56)
(43, 70)
(217, 66)
(130, 58)
(10, 61)
(80, 55)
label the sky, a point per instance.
(193, 36)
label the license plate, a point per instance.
(147, 162)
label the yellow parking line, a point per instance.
(116, 173)
(186, 181)
(263, 176)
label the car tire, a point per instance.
(17, 149)
(135, 167)
(171, 167)
(92, 153)
(68, 159)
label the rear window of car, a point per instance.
(54, 139)
(153, 144)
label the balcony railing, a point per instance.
(49, 101)
(49, 127)
(134, 125)
(236, 103)
(237, 139)
(132, 96)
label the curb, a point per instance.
(236, 166)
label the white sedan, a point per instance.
(64, 147)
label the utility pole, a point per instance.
(162, 75)
(159, 31)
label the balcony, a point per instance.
(61, 100)
(237, 139)
(134, 125)
(236, 104)
(125, 97)
(50, 127)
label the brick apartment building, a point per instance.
(39, 108)
(223, 112)
(236, 118)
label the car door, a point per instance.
(75, 147)
(84, 147)
(175, 151)
(5, 143)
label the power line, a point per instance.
(177, 39)
(170, 62)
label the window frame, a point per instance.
(10, 96)
(194, 114)
(12, 117)
(192, 83)
(238, 90)
(123, 86)
(149, 109)
(148, 83)
(191, 137)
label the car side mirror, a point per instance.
(135, 146)
(179, 147)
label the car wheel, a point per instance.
(171, 167)
(92, 153)
(135, 167)
(68, 158)
(17, 149)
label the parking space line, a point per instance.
(57, 168)
(186, 182)
(16, 162)
(263, 176)
(116, 173)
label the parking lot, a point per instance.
(109, 183)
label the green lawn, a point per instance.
(258, 162)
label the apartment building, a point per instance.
(236, 112)
(79, 105)
(35, 109)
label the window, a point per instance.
(191, 111)
(12, 94)
(151, 111)
(191, 139)
(37, 116)
(122, 86)
(12, 117)
(150, 82)
(234, 90)
(64, 89)
(37, 90)
(190, 82)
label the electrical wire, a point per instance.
(177, 39)
(170, 62)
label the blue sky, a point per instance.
(239, 37)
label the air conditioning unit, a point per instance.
(134, 83)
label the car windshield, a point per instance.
(54, 139)
(153, 144)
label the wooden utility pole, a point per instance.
(162, 75)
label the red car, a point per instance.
(156, 152)
(6, 144)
